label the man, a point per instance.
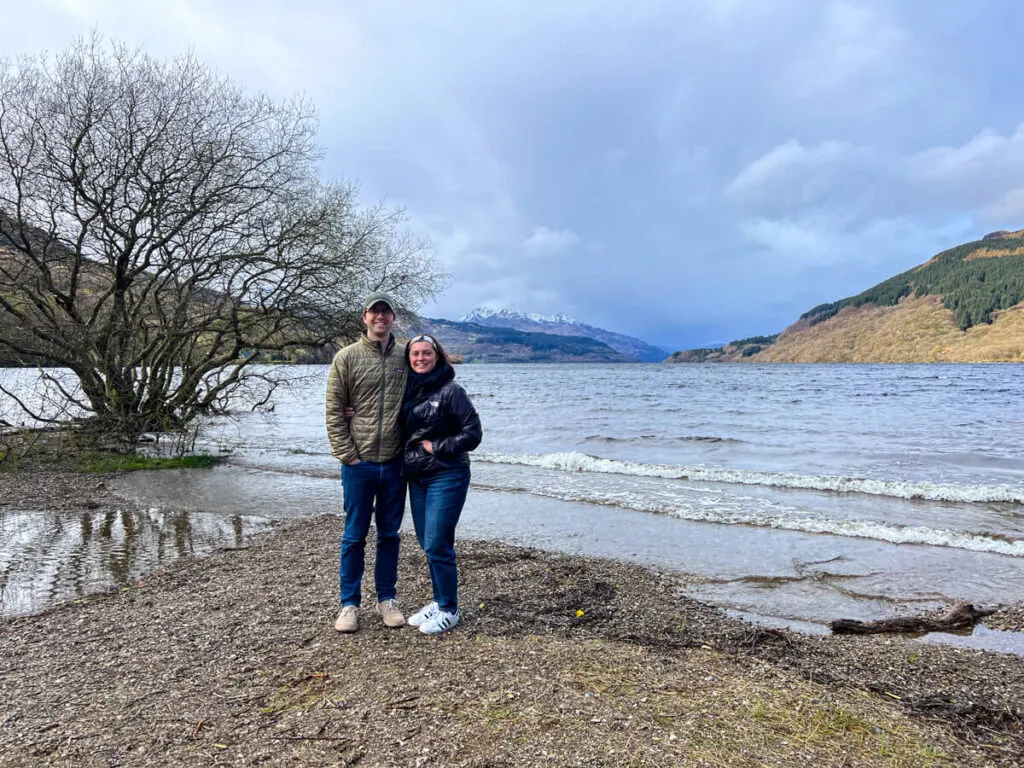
(370, 377)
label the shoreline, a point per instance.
(232, 658)
(227, 506)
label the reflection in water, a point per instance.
(47, 557)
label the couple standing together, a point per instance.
(396, 418)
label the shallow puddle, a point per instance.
(49, 557)
(981, 638)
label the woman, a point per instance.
(439, 429)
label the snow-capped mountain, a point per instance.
(485, 316)
(563, 325)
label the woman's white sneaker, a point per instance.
(425, 613)
(440, 622)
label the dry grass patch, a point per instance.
(994, 253)
(915, 330)
(526, 701)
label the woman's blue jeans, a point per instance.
(363, 484)
(436, 501)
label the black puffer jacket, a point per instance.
(441, 412)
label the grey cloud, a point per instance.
(544, 241)
(979, 176)
(852, 51)
(1010, 207)
(792, 174)
(980, 173)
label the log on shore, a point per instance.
(962, 616)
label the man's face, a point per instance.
(379, 318)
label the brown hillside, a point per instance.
(915, 330)
(990, 253)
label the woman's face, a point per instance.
(422, 356)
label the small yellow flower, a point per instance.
(481, 605)
(579, 613)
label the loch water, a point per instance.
(793, 493)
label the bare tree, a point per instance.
(159, 225)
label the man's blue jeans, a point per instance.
(362, 484)
(436, 501)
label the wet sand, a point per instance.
(563, 660)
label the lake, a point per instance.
(795, 493)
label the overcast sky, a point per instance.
(687, 171)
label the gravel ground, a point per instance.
(57, 490)
(1010, 619)
(233, 660)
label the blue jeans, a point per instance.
(436, 501)
(362, 484)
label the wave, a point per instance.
(899, 489)
(792, 520)
(708, 439)
(662, 438)
(609, 439)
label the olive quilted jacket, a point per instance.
(372, 381)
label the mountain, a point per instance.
(476, 343)
(566, 326)
(965, 304)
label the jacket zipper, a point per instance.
(383, 389)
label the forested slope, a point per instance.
(965, 304)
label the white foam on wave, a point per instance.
(779, 517)
(580, 462)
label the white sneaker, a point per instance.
(348, 619)
(442, 621)
(428, 611)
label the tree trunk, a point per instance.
(963, 616)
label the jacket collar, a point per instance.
(377, 346)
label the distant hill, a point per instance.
(727, 353)
(472, 342)
(562, 325)
(476, 343)
(965, 304)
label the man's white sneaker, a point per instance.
(428, 611)
(348, 619)
(442, 621)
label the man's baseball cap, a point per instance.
(378, 298)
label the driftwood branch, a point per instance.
(962, 616)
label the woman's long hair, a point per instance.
(442, 356)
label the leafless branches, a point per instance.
(159, 225)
